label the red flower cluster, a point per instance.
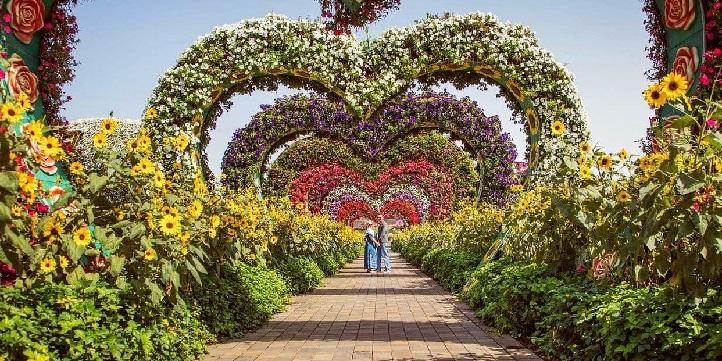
(400, 209)
(342, 15)
(352, 211)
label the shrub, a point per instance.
(94, 322)
(328, 263)
(301, 274)
(242, 299)
(454, 267)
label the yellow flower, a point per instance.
(151, 113)
(655, 96)
(149, 254)
(184, 250)
(623, 154)
(51, 146)
(64, 261)
(11, 113)
(585, 172)
(23, 101)
(82, 237)
(605, 162)
(133, 145)
(76, 168)
(17, 211)
(146, 166)
(212, 233)
(584, 147)
(27, 183)
(674, 85)
(52, 231)
(170, 211)
(516, 188)
(170, 225)
(33, 130)
(108, 126)
(557, 128)
(143, 142)
(195, 209)
(36, 356)
(623, 196)
(100, 140)
(158, 179)
(215, 221)
(47, 265)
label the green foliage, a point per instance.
(301, 274)
(243, 299)
(94, 322)
(328, 264)
(572, 318)
(451, 267)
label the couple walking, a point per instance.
(377, 246)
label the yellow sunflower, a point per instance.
(17, 211)
(108, 126)
(146, 166)
(23, 101)
(27, 183)
(585, 172)
(195, 209)
(170, 211)
(623, 154)
(33, 130)
(605, 162)
(557, 128)
(47, 265)
(655, 96)
(76, 168)
(623, 197)
(674, 85)
(516, 188)
(158, 179)
(82, 237)
(149, 254)
(584, 147)
(52, 231)
(151, 113)
(11, 113)
(170, 225)
(63, 261)
(51, 146)
(133, 145)
(100, 140)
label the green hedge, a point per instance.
(450, 267)
(329, 264)
(572, 318)
(243, 299)
(94, 322)
(301, 274)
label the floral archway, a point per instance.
(469, 49)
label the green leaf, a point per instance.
(5, 214)
(714, 140)
(97, 182)
(686, 184)
(18, 241)
(193, 272)
(9, 181)
(156, 294)
(683, 122)
(116, 264)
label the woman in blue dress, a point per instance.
(370, 247)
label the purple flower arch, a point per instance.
(290, 117)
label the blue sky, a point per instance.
(126, 45)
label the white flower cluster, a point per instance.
(82, 130)
(366, 74)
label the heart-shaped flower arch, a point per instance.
(468, 49)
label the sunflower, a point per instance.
(605, 162)
(149, 254)
(52, 231)
(623, 154)
(170, 225)
(516, 188)
(623, 197)
(195, 209)
(146, 166)
(674, 85)
(23, 101)
(181, 142)
(76, 168)
(215, 221)
(557, 128)
(133, 145)
(158, 179)
(47, 265)
(51, 146)
(82, 237)
(143, 143)
(27, 183)
(151, 113)
(33, 130)
(108, 126)
(63, 261)
(100, 140)
(584, 147)
(17, 211)
(585, 172)
(655, 96)
(170, 211)
(11, 113)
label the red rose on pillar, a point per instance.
(27, 18)
(678, 14)
(686, 62)
(21, 79)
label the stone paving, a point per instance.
(403, 315)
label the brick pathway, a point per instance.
(404, 315)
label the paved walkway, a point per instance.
(403, 315)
